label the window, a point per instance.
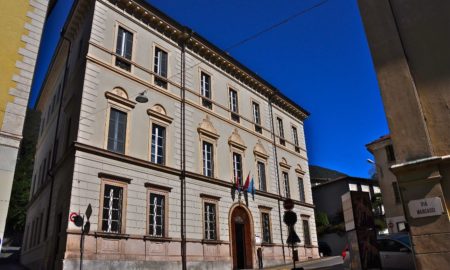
(295, 137)
(306, 233)
(208, 163)
(390, 153)
(396, 192)
(124, 48)
(281, 131)
(210, 221)
(156, 215)
(287, 192)
(158, 144)
(301, 189)
(160, 68)
(257, 117)
(234, 105)
(265, 218)
(205, 88)
(112, 209)
(376, 190)
(353, 187)
(365, 188)
(117, 131)
(401, 226)
(261, 175)
(237, 167)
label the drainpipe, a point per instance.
(277, 170)
(186, 35)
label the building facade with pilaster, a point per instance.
(152, 125)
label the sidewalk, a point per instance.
(311, 264)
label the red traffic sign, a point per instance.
(72, 216)
(288, 204)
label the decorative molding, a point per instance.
(283, 163)
(259, 150)
(156, 186)
(114, 177)
(160, 116)
(263, 207)
(235, 140)
(119, 99)
(207, 128)
(299, 170)
(209, 197)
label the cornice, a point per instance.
(183, 36)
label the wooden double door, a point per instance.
(241, 238)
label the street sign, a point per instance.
(288, 204)
(88, 211)
(72, 216)
(426, 207)
(290, 218)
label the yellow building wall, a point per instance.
(13, 16)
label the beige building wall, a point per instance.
(88, 164)
(409, 47)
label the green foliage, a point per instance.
(322, 219)
(15, 222)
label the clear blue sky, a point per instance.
(319, 59)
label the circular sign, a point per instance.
(288, 204)
(290, 218)
(72, 216)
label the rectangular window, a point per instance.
(306, 232)
(112, 209)
(156, 215)
(301, 189)
(237, 167)
(210, 221)
(281, 131)
(390, 153)
(287, 192)
(234, 108)
(353, 187)
(365, 188)
(208, 163)
(205, 88)
(117, 131)
(261, 175)
(257, 117)
(396, 192)
(295, 137)
(124, 48)
(160, 68)
(158, 144)
(266, 238)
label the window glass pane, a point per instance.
(266, 227)
(256, 113)
(117, 131)
(156, 215)
(207, 159)
(237, 167)
(210, 221)
(112, 209)
(160, 65)
(287, 192)
(262, 176)
(301, 189)
(233, 101)
(158, 144)
(295, 135)
(306, 233)
(353, 187)
(280, 127)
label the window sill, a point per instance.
(267, 244)
(112, 235)
(212, 242)
(157, 238)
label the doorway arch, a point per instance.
(241, 237)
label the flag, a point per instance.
(247, 182)
(251, 188)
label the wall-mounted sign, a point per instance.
(426, 207)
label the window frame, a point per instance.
(162, 125)
(295, 139)
(288, 190)
(264, 210)
(163, 191)
(113, 182)
(133, 48)
(309, 242)
(157, 76)
(210, 199)
(203, 98)
(213, 154)
(234, 115)
(257, 125)
(281, 135)
(121, 104)
(234, 170)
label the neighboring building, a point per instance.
(159, 175)
(383, 151)
(320, 175)
(22, 23)
(327, 199)
(410, 44)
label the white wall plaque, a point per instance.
(426, 207)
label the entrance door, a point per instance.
(240, 225)
(240, 245)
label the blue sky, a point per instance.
(319, 59)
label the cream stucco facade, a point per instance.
(84, 88)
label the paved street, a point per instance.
(328, 263)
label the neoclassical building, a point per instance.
(152, 125)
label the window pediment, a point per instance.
(119, 95)
(299, 170)
(259, 150)
(283, 163)
(158, 112)
(206, 128)
(236, 141)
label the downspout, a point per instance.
(186, 35)
(55, 139)
(278, 172)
